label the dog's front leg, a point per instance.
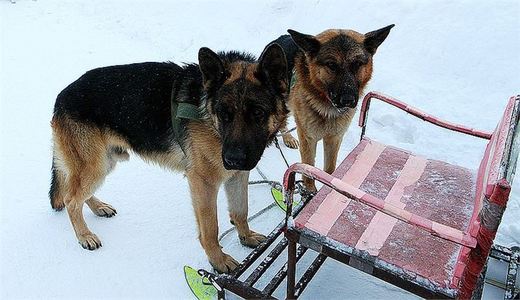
(330, 150)
(204, 199)
(308, 155)
(236, 191)
(288, 139)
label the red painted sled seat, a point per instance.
(421, 224)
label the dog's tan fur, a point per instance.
(315, 117)
(85, 154)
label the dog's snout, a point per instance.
(235, 158)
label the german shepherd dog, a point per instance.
(111, 110)
(330, 71)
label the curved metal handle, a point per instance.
(417, 113)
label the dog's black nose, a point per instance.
(348, 101)
(235, 158)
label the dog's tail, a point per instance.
(56, 190)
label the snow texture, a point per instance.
(458, 60)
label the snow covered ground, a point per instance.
(458, 60)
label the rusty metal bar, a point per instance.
(266, 263)
(309, 274)
(403, 282)
(512, 271)
(253, 256)
(237, 287)
(291, 269)
(282, 273)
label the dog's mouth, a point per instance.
(342, 103)
(230, 166)
(340, 108)
(233, 160)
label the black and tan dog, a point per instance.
(330, 71)
(108, 111)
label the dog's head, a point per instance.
(246, 100)
(339, 62)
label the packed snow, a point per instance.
(458, 60)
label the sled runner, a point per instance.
(421, 224)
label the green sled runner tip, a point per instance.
(199, 285)
(278, 198)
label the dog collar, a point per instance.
(183, 110)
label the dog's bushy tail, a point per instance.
(56, 190)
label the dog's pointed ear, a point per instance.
(306, 42)
(375, 38)
(272, 68)
(211, 67)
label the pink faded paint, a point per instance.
(446, 231)
(487, 175)
(334, 204)
(313, 205)
(377, 232)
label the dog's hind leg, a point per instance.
(100, 208)
(81, 150)
(74, 202)
(236, 192)
(56, 192)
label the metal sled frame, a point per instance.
(245, 287)
(321, 228)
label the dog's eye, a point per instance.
(258, 113)
(354, 66)
(332, 66)
(224, 115)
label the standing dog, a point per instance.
(108, 111)
(329, 72)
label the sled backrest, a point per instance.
(495, 174)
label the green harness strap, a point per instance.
(180, 111)
(187, 111)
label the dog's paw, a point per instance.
(252, 240)
(105, 210)
(290, 141)
(100, 208)
(89, 241)
(223, 263)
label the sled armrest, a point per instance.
(434, 228)
(415, 112)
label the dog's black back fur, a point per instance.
(134, 100)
